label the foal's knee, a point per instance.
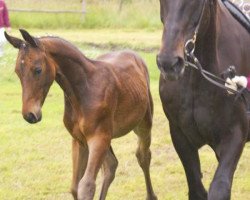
(86, 190)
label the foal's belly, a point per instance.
(126, 120)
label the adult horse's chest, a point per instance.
(195, 111)
(197, 117)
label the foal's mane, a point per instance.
(55, 45)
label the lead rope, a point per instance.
(220, 82)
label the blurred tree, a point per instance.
(83, 6)
(122, 3)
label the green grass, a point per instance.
(140, 14)
(35, 160)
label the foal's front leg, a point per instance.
(80, 159)
(98, 145)
(109, 168)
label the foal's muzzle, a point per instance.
(171, 68)
(33, 118)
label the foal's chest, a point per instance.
(74, 123)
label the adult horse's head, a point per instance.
(180, 19)
(35, 74)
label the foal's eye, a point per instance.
(38, 70)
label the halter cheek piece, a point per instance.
(192, 61)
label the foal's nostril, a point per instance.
(32, 118)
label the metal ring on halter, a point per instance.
(192, 42)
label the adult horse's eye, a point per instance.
(38, 70)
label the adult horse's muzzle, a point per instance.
(171, 68)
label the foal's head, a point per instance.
(35, 73)
(180, 19)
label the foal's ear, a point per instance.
(28, 38)
(15, 42)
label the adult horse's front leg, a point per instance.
(80, 158)
(228, 153)
(190, 160)
(98, 145)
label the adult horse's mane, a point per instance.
(237, 14)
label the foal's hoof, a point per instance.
(152, 198)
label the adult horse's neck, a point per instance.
(72, 68)
(220, 40)
(206, 44)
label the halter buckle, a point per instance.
(190, 46)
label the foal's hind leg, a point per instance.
(143, 153)
(109, 168)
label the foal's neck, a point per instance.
(72, 67)
(64, 53)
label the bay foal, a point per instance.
(104, 99)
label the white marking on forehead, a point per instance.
(22, 61)
(24, 45)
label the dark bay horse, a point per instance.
(104, 99)
(199, 112)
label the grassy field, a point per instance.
(35, 160)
